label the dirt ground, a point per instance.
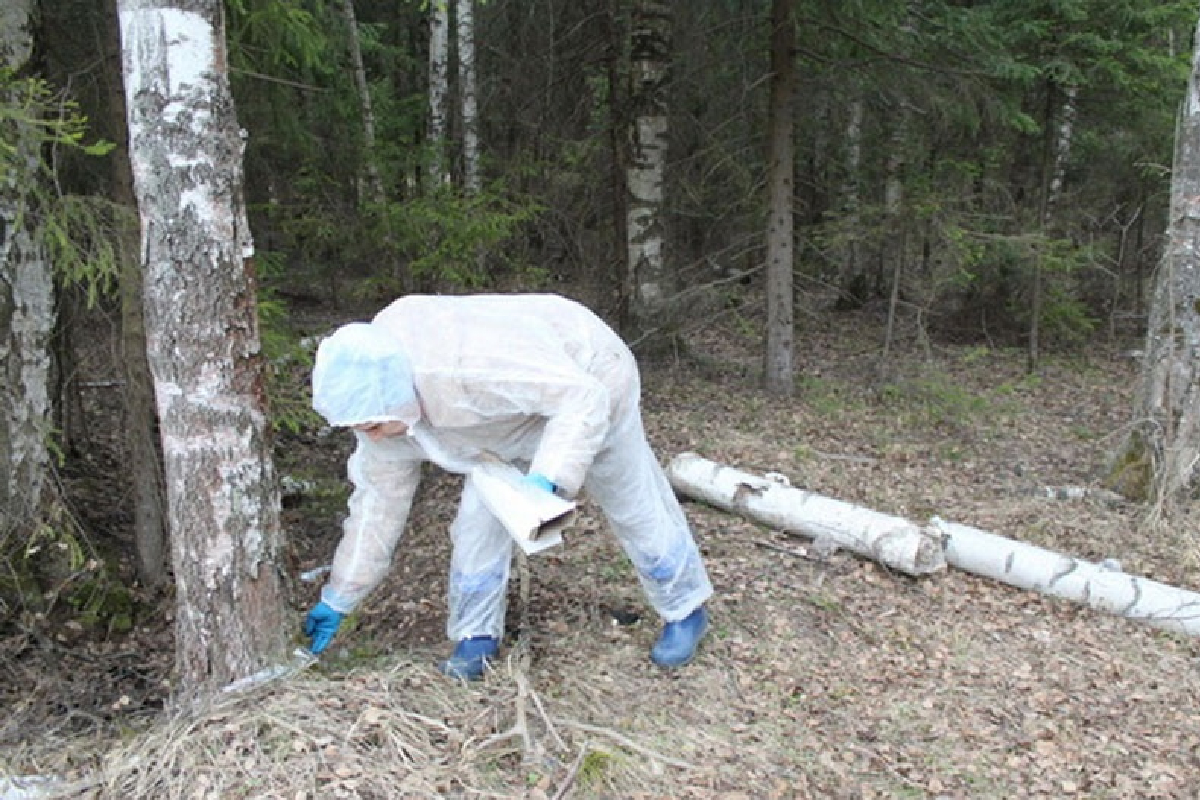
(823, 677)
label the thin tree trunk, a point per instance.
(777, 367)
(439, 91)
(205, 355)
(1055, 168)
(648, 280)
(26, 302)
(893, 205)
(374, 192)
(374, 189)
(618, 107)
(856, 282)
(468, 98)
(141, 417)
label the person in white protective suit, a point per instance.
(538, 380)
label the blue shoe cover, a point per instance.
(470, 658)
(677, 644)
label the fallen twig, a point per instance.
(569, 779)
(628, 743)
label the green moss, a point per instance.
(103, 604)
(1132, 472)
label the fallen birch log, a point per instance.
(1103, 586)
(1097, 586)
(893, 541)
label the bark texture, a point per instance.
(777, 360)
(650, 54)
(204, 351)
(924, 549)
(141, 416)
(890, 540)
(1097, 586)
(1159, 460)
(26, 300)
(439, 91)
(468, 96)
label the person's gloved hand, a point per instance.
(320, 625)
(540, 481)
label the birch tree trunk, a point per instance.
(204, 352)
(439, 91)
(648, 280)
(1158, 460)
(890, 540)
(141, 417)
(374, 189)
(777, 360)
(1054, 170)
(1097, 586)
(468, 96)
(925, 549)
(26, 296)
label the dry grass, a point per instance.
(398, 729)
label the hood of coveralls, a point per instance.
(361, 376)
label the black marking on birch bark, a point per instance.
(1072, 566)
(1137, 597)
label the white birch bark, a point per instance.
(645, 175)
(1167, 409)
(1056, 174)
(1062, 153)
(147, 490)
(920, 550)
(468, 95)
(893, 541)
(439, 91)
(1097, 586)
(204, 352)
(26, 300)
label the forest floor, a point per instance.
(823, 676)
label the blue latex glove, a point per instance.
(321, 624)
(540, 481)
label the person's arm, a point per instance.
(577, 422)
(385, 477)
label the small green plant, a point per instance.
(594, 766)
(82, 235)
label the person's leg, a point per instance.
(478, 585)
(628, 483)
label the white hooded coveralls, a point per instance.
(538, 380)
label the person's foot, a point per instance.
(470, 658)
(678, 641)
